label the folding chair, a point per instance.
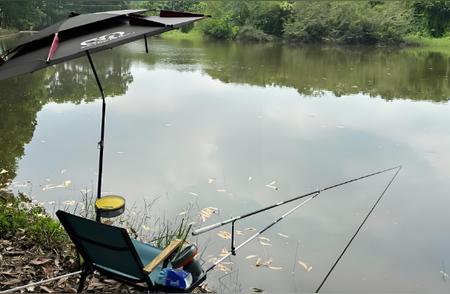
(112, 252)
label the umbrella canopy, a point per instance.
(71, 38)
(81, 35)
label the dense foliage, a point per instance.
(368, 21)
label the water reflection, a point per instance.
(189, 112)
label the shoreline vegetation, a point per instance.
(380, 23)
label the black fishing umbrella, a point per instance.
(84, 34)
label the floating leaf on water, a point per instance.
(277, 268)
(223, 252)
(221, 190)
(240, 233)
(224, 235)
(272, 185)
(193, 194)
(70, 202)
(305, 266)
(207, 212)
(223, 268)
(256, 290)
(211, 180)
(251, 256)
(3, 171)
(63, 171)
(283, 235)
(264, 243)
(264, 239)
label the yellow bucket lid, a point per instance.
(109, 204)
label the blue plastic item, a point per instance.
(176, 278)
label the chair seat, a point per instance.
(147, 253)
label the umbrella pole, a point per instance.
(102, 135)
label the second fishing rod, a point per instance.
(234, 219)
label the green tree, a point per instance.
(434, 16)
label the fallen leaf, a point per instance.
(264, 243)
(46, 289)
(11, 282)
(223, 268)
(283, 235)
(224, 235)
(305, 266)
(256, 290)
(277, 268)
(258, 262)
(40, 261)
(264, 239)
(250, 256)
(223, 252)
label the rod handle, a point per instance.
(205, 229)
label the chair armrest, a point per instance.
(163, 255)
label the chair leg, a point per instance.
(83, 277)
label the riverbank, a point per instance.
(7, 32)
(410, 42)
(35, 247)
(429, 44)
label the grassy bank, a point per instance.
(429, 44)
(34, 246)
(193, 35)
(6, 32)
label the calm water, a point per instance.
(196, 124)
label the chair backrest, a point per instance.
(104, 246)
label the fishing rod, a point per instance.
(260, 232)
(357, 230)
(311, 195)
(234, 219)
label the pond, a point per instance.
(197, 124)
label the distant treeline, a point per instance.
(370, 21)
